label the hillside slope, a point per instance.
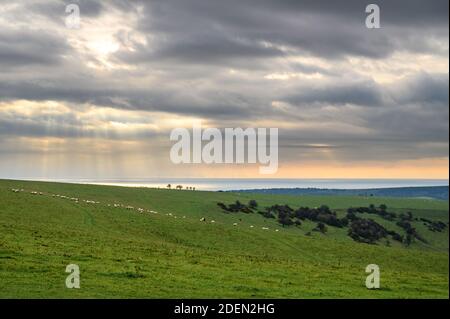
(165, 251)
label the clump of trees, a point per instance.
(323, 214)
(266, 214)
(395, 236)
(287, 216)
(237, 207)
(366, 231)
(411, 232)
(407, 217)
(360, 229)
(283, 213)
(380, 211)
(321, 227)
(253, 204)
(434, 226)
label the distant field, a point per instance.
(126, 254)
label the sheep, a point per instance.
(203, 219)
(235, 224)
(34, 193)
(251, 226)
(213, 221)
(265, 228)
(277, 230)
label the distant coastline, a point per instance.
(430, 192)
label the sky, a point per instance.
(100, 101)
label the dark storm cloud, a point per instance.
(360, 93)
(429, 91)
(210, 104)
(402, 12)
(222, 32)
(412, 110)
(26, 47)
(425, 88)
(207, 48)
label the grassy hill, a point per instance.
(172, 254)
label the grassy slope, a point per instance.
(125, 254)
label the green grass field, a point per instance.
(126, 254)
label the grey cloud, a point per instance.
(188, 30)
(310, 69)
(209, 104)
(424, 87)
(360, 93)
(30, 47)
(55, 10)
(67, 127)
(204, 49)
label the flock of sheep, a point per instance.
(127, 207)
